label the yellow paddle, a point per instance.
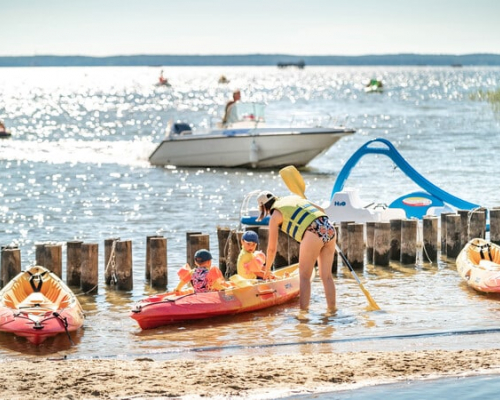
(295, 182)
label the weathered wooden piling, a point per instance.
(189, 251)
(430, 227)
(233, 251)
(381, 243)
(89, 274)
(196, 241)
(287, 251)
(477, 225)
(395, 238)
(370, 238)
(465, 216)
(10, 265)
(356, 246)
(263, 238)
(124, 276)
(409, 241)
(443, 231)
(222, 239)
(110, 260)
(73, 262)
(53, 258)
(495, 225)
(453, 235)
(344, 237)
(147, 266)
(158, 262)
(40, 254)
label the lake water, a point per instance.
(77, 169)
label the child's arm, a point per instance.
(184, 274)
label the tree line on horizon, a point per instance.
(251, 60)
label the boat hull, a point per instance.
(264, 148)
(168, 308)
(38, 315)
(479, 265)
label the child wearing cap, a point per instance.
(251, 262)
(205, 277)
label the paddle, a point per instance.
(295, 182)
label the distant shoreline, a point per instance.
(252, 60)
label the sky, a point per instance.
(207, 27)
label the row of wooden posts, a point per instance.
(376, 243)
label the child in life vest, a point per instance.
(251, 262)
(204, 277)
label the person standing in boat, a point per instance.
(308, 224)
(250, 264)
(204, 277)
(230, 114)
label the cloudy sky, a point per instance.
(301, 27)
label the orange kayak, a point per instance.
(247, 295)
(36, 304)
(479, 265)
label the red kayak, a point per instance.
(36, 304)
(247, 295)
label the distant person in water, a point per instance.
(162, 80)
(2, 127)
(230, 114)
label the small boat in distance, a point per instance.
(36, 304)
(374, 86)
(246, 143)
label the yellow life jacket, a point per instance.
(298, 214)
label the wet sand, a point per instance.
(234, 376)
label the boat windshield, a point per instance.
(250, 112)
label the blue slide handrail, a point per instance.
(399, 160)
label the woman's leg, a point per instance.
(325, 262)
(310, 248)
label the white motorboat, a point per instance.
(246, 143)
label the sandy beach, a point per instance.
(234, 376)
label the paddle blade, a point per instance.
(293, 180)
(373, 305)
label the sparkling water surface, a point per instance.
(77, 168)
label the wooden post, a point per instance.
(409, 241)
(477, 225)
(53, 259)
(356, 245)
(453, 234)
(11, 265)
(89, 276)
(189, 251)
(233, 253)
(430, 233)
(73, 263)
(158, 262)
(381, 243)
(464, 226)
(370, 237)
(223, 241)
(40, 254)
(263, 238)
(147, 266)
(443, 232)
(395, 251)
(124, 276)
(344, 237)
(110, 260)
(288, 251)
(495, 225)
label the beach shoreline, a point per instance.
(245, 377)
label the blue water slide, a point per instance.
(391, 152)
